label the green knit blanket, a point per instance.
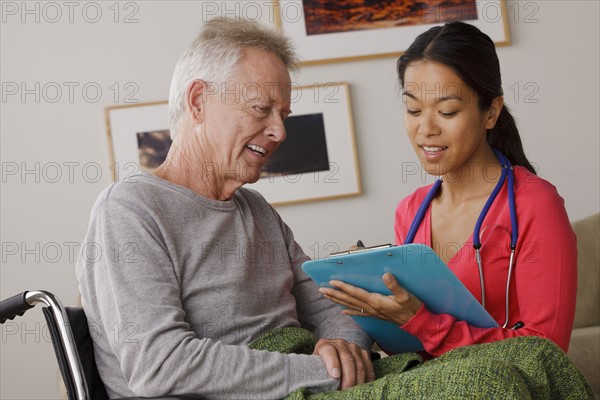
(518, 368)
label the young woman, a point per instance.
(518, 259)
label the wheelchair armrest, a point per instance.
(14, 306)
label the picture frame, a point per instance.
(317, 161)
(321, 127)
(336, 32)
(126, 126)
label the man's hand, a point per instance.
(346, 360)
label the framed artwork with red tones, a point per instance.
(327, 31)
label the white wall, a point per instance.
(43, 221)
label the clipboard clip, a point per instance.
(360, 250)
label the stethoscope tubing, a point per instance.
(507, 175)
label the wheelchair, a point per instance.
(72, 344)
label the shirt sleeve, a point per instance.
(543, 289)
(135, 299)
(316, 313)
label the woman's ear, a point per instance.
(494, 112)
(195, 99)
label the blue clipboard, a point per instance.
(419, 270)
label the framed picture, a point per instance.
(342, 30)
(138, 137)
(318, 159)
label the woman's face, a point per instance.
(443, 120)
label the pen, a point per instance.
(360, 243)
(518, 325)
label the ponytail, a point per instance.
(505, 137)
(471, 54)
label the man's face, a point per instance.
(243, 123)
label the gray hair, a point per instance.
(215, 52)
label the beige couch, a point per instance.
(584, 349)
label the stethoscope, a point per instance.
(507, 171)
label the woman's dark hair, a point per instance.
(471, 54)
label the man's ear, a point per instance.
(494, 112)
(195, 99)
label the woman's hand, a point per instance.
(399, 307)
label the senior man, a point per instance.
(207, 266)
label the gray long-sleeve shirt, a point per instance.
(175, 286)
